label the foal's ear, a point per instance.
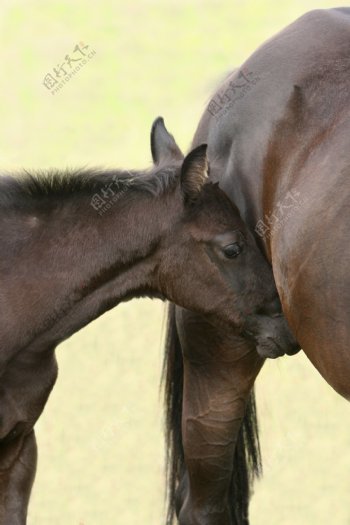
(163, 146)
(194, 173)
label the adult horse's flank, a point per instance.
(74, 247)
(278, 135)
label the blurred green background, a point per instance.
(100, 438)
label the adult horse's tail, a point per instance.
(247, 459)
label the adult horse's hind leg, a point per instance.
(219, 372)
(17, 471)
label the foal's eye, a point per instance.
(232, 250)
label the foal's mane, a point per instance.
(56, 185)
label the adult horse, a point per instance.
(278, 134)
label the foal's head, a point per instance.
(210, 262)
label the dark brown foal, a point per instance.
(74, 247)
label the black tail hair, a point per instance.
(247, 457)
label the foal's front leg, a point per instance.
(18, 460)
(219, 372)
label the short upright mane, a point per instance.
(57, 184)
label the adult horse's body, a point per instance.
(278, 134)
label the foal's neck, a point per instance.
(108, 234)
(80, 257)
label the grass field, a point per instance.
(100, 437)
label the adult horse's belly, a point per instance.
(311, 259)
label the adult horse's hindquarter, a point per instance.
(281, 140)
(306, 173)
(311, 251)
